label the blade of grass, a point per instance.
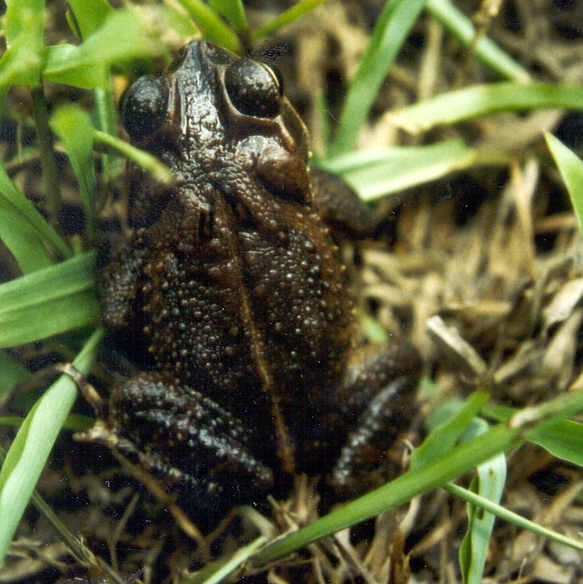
(212, 26)
(217, 572)
(489, 484)
(51, 318)
(144, 159)
(298, 10)
(30, 449)
(11, 197)
(357, 160)
(13, 421)
(90, 15)
(233, 10)
(106, 122)
(375, 173)
(171, 14)
(48, 302)
(22, 241)
(389, 34)
(442, 412)
(562, 438)
(50, 174)
(24, 29)
(11, 373)
(459, 460)
(479, 100)
(121, 38)
(456, 462)
(571, 169)
(461, 27)
(75, 130)
(443, 437)
(64, 278)
(510, 516)
(73, 423)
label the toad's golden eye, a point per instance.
(254, 88)
(144, 107)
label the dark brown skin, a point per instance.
(234, 298)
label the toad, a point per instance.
(232, 297)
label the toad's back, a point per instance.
(244, 314)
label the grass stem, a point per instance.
(47, 156)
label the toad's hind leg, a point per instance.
(377, 403)
(186, 440)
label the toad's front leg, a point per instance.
(119, 286)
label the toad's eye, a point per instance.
(144, 107)
(254, 88)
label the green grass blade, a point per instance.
(22, 241)
(24, 29)
(571, 169)
(444, 411)
(90, 15)
(144, 159)
(459, 460)
(298, 10)
(562, 438)
(11, 372)
(212, 26)
(30, 449)
(363, 159)
(106, 115)
(53, 317)
(456, 462)
(480, 100)
(445, 435)
(511, 517)
(73, 423)
(461, 27)
(11, 421)
(390, 32)
(50, 174)
(489, 484)
(75, 130)
(11, 197)
(48, 302)
(65, 64)
(378, 172)
(121, 38)
(233, 10)
(217, 572)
